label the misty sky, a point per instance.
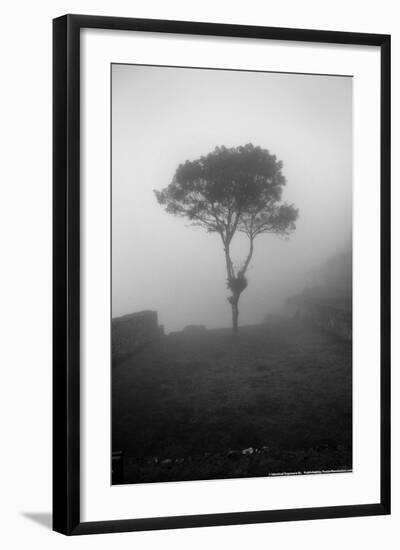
(163, 116)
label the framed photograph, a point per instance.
(221, 274)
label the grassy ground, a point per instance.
(283, 389)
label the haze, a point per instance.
(163, 116)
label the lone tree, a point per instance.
(228, 191)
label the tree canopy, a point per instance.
(229, 190)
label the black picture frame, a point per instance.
(66, 273)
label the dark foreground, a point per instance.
(277, 400)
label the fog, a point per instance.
(163, 116)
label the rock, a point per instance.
(166, 461)
(248, 451)
(179, 460)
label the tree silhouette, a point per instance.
(228, 191)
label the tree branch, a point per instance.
(248, 259)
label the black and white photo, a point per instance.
(231, 273)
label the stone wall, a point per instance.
(131, 333)
(194, 329)
(334, 319)
(326, 301)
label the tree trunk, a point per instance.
(235, 315)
